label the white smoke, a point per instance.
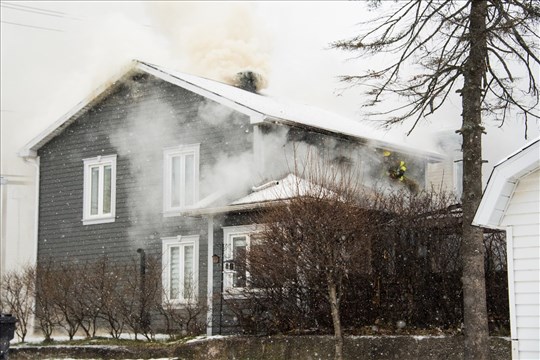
(214, 40)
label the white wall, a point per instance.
(17, 225)
(523, 217)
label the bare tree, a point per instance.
(46, 314)
(64, 296)
(186, 318)
(110, 295)
(17, 297)
(319, 234)
(472, 47)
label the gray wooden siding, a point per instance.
(129, 123)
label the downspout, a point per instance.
(210, 276)
(143, 311)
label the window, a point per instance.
(181, 177)
(180, 269)
(99, 199)
(238, 241)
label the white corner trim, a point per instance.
(508, 171)
(511, 281)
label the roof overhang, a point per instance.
(256, 116)
(502, 182)
(429, 155)
(227, 209)
(31, 148)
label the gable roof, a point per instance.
(502, 182)
(259, 108)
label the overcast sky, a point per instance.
(55, 53)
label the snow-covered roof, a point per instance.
(287, 188)
(258, 107)
(502, 182)
(264, 195)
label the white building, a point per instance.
(17, 222)
(511, 202)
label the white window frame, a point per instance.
(181, 242)
(168, 155)
(228, 275)
(100, 162)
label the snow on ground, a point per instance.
(36, 339)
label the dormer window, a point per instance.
(181, 177)
(99, 201)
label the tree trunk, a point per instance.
(334, 306)
(472, 248)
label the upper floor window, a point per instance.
(180, 269)
(99, 201)
(238, 242)
(181, 177)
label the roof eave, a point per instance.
(232, 208)
(429, 155)
(255, 116)
(31, 148)
(505, 174)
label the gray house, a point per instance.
(173, 164)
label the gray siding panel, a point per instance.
(135, 122)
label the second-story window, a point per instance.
(99, 200)
(181, 177)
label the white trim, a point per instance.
(511, 284)
(168, 154)
(504, 175)
(30, 149)
(100, 162)
(515, 349)
(210, 276)
(228, 233)
(255, 116)
(239, 104)
(180, 241)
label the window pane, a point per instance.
(188, 272)
(175, 181)
(174, 276)
(239, 256)
(107, 190)
(94, 190)
(190, 179)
